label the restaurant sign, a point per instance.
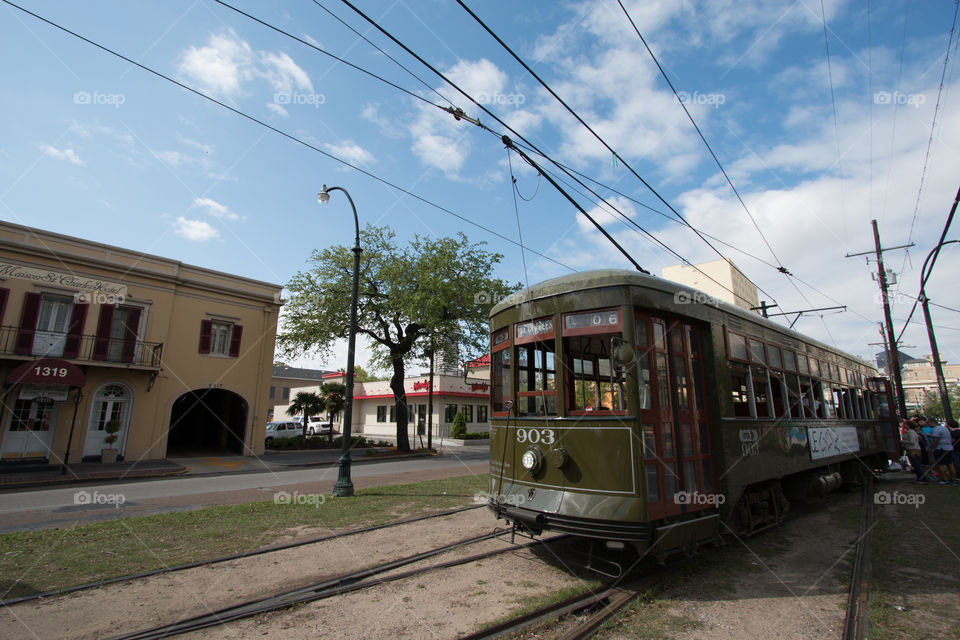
(69, 280)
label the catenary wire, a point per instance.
(281, 132)
(458, 114)
(327, 53)
(836, 124)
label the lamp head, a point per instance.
(323, 197)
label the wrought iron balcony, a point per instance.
(88, 349)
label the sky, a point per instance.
(817, 144)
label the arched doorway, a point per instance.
(207, 421)
(111, 402)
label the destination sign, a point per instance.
(534, 327)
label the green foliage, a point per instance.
(299, 442)
(474, 435)
(360, 375)
(111, 428)
(459, 429)
(433, 286)
(307, 404)
(933, 407)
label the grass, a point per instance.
(915, 586)
(53, 559)
(648, 618)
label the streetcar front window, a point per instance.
(594, 381)
(536, 379)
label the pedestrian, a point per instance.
(942, 443)
(911, 444)
(955, 438)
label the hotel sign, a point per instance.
(69, 280)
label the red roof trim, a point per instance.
(424, 394)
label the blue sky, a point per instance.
(95, 147)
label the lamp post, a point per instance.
(77, 399)
(344, 486)
(935, 353)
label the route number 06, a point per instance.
(533, 436)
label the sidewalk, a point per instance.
(24, 475)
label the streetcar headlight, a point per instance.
(531, 459)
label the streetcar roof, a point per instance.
(601, 278)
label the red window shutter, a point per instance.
(28, 323)
(4, 294)
(130, 334)
(206, 329)
(101, 344)
(235, 341)
(71, 349)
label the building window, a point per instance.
(286, 393)
(467, 411)
(481, 413)
(449, 411)
(273, 392)
(393, 413)
(220, 337)
(381, 413)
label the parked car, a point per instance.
(319, 426)
(285, 429)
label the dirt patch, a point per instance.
(786, 582)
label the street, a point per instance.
(67, 506)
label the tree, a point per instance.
(334, 394)
(434, 285)
(459, 428)
(933, 407)
(361, 375)
(307, 403)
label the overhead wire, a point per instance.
(836, 124)
(280, 132)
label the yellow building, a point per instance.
(180, 357)
(920, 378)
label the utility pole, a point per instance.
(935, 352)
(893, 360)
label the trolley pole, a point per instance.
(894, 359)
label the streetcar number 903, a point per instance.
(534, 436)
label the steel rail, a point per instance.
(356, 581)
(855, 622)
(236, 556)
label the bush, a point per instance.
(297, 442)
(459, 429)
(473, 435)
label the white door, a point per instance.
(29, 430)
(52, 322)
(112, 402)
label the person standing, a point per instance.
(942, 444)
(911, 444)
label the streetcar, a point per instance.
(633, 410)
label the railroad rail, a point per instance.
(332, 587)
(228, 558)
(855, 623)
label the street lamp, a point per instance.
(935, 353)
(344, 486)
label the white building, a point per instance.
(718, 278)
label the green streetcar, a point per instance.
(630, 409)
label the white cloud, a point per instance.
(215, 209)
(277, 109)
(351, 152)
(227, 64)
(172, 157)
(195, 230)
(61, 154)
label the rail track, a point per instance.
(338, 585)
(855, 623)
(237, 556)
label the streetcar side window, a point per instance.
(502, 380)
(778, 395)
(761, 392)
(741, 394)
(737, 345)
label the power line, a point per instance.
(836, 125)
(326, 53)
(394, 60)
(281, 132)
(582, 122)
(781, 268)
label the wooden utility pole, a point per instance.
(893, 359)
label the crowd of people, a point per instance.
(933, 449)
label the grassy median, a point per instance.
(52, 559)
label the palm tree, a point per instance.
(334, 395)
(309, 404)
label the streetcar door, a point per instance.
(678, 454)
